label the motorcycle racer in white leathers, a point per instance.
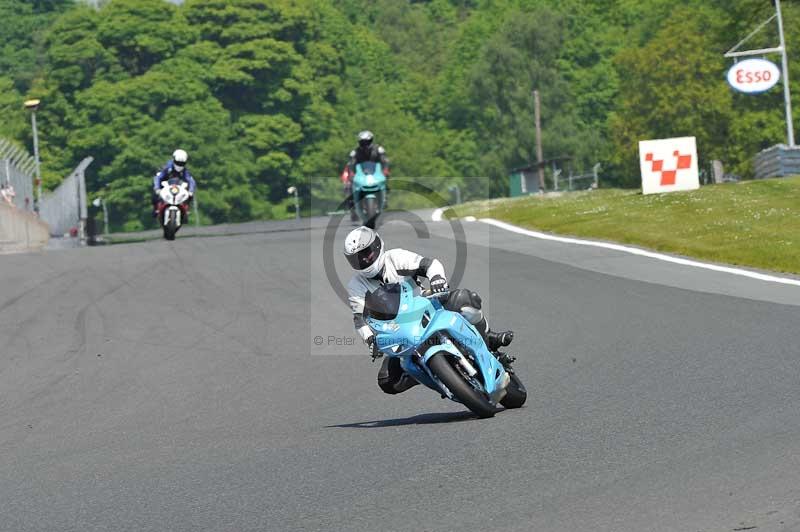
(374, 266)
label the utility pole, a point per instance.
(787, 97)
(32, 106)
(538, 120)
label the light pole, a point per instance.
(32, 106)
(98, 202)
(293, 190)
(456, 193)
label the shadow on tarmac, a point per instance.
(421, 419)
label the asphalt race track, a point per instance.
(208, 384)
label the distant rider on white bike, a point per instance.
(175, 168)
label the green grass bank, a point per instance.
(751, 223)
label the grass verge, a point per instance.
(751, 223)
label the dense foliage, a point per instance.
(264, 94)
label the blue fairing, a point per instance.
(423, 328)
(369, 180)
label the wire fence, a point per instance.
(572, 181)
(64, 209)
(16, 175)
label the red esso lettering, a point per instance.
(743, 76)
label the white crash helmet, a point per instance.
(365, 138)
(179, 158)
(363, 249)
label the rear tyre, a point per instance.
(441, 366)
(516, 394)
(371, 212)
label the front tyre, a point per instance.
(440, 366)
(171, 227)
(371, 211)
(516, 394)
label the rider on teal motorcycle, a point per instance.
(366, 151)
(374, 266)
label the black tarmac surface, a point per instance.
(210, 384)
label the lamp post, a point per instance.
(455, 191)
(33, 106)
(99, 202)
(293, 190)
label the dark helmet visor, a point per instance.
(367, 256)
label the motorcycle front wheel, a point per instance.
(371, 211)
(441, 366)
(171, 227)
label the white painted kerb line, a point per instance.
(641, 253)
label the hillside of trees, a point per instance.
(265, 94)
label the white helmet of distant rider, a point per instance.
(364, 250)
(365, 139)
(179, 158)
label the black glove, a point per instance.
(373, 348)
(439, 284)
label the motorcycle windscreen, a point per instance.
(368, 167)
(383, 303)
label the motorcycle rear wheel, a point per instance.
(440, 365)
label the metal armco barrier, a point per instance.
(17, 169)
(778, 161)
(21, 230)
(64, 209)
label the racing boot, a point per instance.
(493, 340)
(496, 340)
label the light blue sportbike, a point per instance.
(440, 349)
(369, 192)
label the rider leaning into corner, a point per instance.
(375, 266)
(175, 168)
(366, 151)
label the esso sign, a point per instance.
(753, 75)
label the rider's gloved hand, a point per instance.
(439, 284)
(373, 347)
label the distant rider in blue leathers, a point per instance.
(175, 168)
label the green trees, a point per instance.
(674, 87)
(268, 94)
